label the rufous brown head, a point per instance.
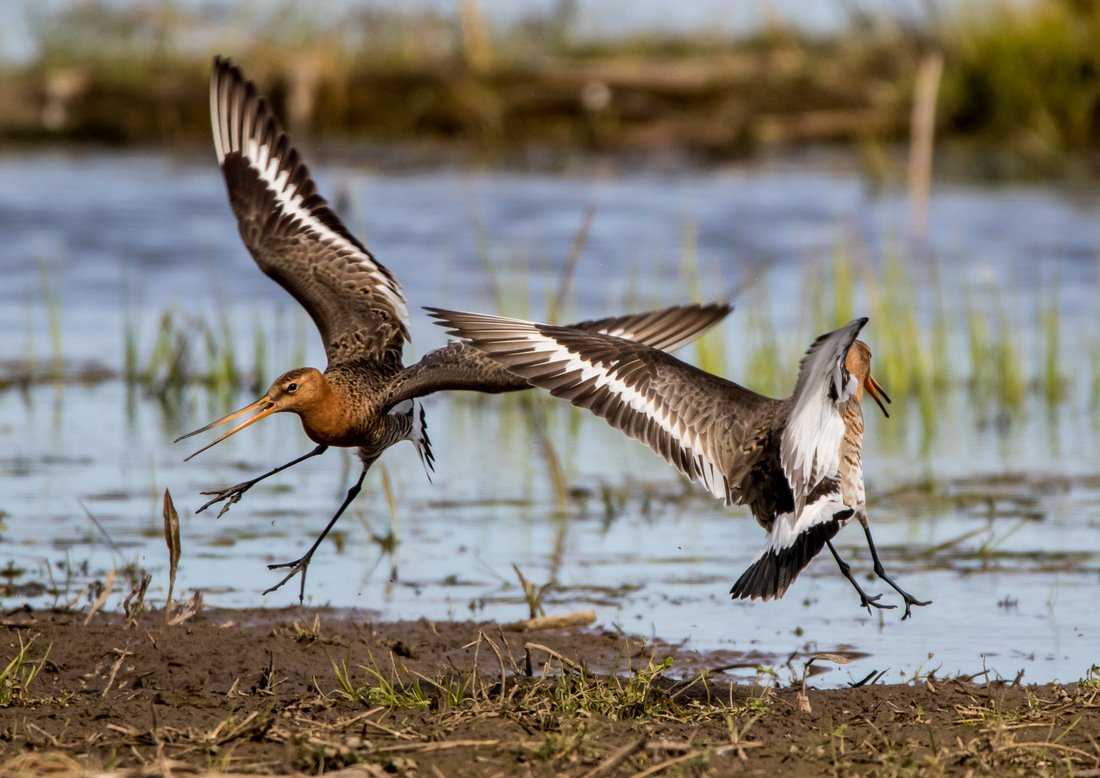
(858, 363)
(294, 391)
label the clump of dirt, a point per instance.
(314, 690)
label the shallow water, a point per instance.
(650, 554)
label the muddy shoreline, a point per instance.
(317, 690)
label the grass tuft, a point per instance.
(20, 672)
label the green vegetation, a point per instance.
(1018, 77)
(1026, 74)
(563, 688)
(1022, 75)
(185, 349)
(21, 670)
(251, 692)
(375, 688)
(532, 594)
(934, 330)
(52, 307)
(170, 365)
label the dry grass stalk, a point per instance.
(134, 603)
(102, 598)
(566, 279)
(189, 609)
(555, 655)
(531, 593)
(921, 138)
(578, 619)
(617, 758)
(122, 654)
(172, 537)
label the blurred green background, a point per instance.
(508, 82)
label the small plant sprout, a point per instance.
(532, 594)
(20, 671)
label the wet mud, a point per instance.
(314, 690)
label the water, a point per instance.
(993, 518)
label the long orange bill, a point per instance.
(874, 388)
(264, 406)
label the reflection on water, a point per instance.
(992, 515)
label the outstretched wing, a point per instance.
(460, 366)
(695, 420)
(293, 234)
(667, 329)
(809, 450)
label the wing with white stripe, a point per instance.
(293, 234)
(667, 329)
(810, 447)
(684, 414)
(460, 366)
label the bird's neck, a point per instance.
(327, 421)
(851, 453)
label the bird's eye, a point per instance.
(292, 387)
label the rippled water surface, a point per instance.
(992, 515)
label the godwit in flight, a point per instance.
(365, 398)
(795, 462)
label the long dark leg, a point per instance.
(234, 493)
(300, 565)
(865, 601)
(880, 571)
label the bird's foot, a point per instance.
(866, 601)
(298, 566)
(910, 601)
(231, 494)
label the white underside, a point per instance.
(787, 529)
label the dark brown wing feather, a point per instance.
(666, 329)
(294, 235)
(703, 425)
(459, 366)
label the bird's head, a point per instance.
(295, 391)
(858, 363)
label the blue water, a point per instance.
(117, 232)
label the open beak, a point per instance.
(871, 386)
(263, 406)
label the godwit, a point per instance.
(795, 462)
(365, 398)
